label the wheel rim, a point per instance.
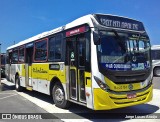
(59, 95)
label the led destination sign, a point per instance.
(120, 22)
(76, 31)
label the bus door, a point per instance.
(76, 61)
(28, 64)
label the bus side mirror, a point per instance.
(96, 37)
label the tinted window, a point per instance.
(41, 50)
(88, 53)
(21, 54)
(155, 54)
(81, 52)
(15, 56)
(55, 48)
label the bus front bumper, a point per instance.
(105, 100)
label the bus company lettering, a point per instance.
(119, 24)
(36, 70)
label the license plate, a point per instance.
(131, 96)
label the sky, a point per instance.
(22, 19)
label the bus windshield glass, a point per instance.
(123, 51)
(155, 54)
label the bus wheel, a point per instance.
(59, 96)
(17, 84)
(157, 71)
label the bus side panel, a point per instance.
(12, 72)
(22, 75)
(88, 88)
(40, 77)
(15, 68)
(57, 70)
(7, 71)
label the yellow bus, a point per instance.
(99, 61)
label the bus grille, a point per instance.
(122, 99)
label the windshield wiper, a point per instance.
(120, 41)
(138, 40)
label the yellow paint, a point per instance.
(23, 70)
(124, 96)
(36, 68)
(89, 83)
(41, 71)
(29, 88)
(104, 101)
(122, 87)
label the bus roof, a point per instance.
(155, 47)
(80, 21)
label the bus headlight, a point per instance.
(101, 84)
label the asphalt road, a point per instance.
(77, 112)
(156, 83)
(13, 105)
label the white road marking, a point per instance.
(6, 93)
(51, 108)
(8, 96)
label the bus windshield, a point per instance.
(123, 51)
(155, 54)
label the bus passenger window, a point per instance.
(15, 56)
(21, 54)
(40, 50)
(55, 48)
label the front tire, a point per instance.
(17, 84)
(58, 95)
(157, 71)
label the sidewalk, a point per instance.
(6, 85)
